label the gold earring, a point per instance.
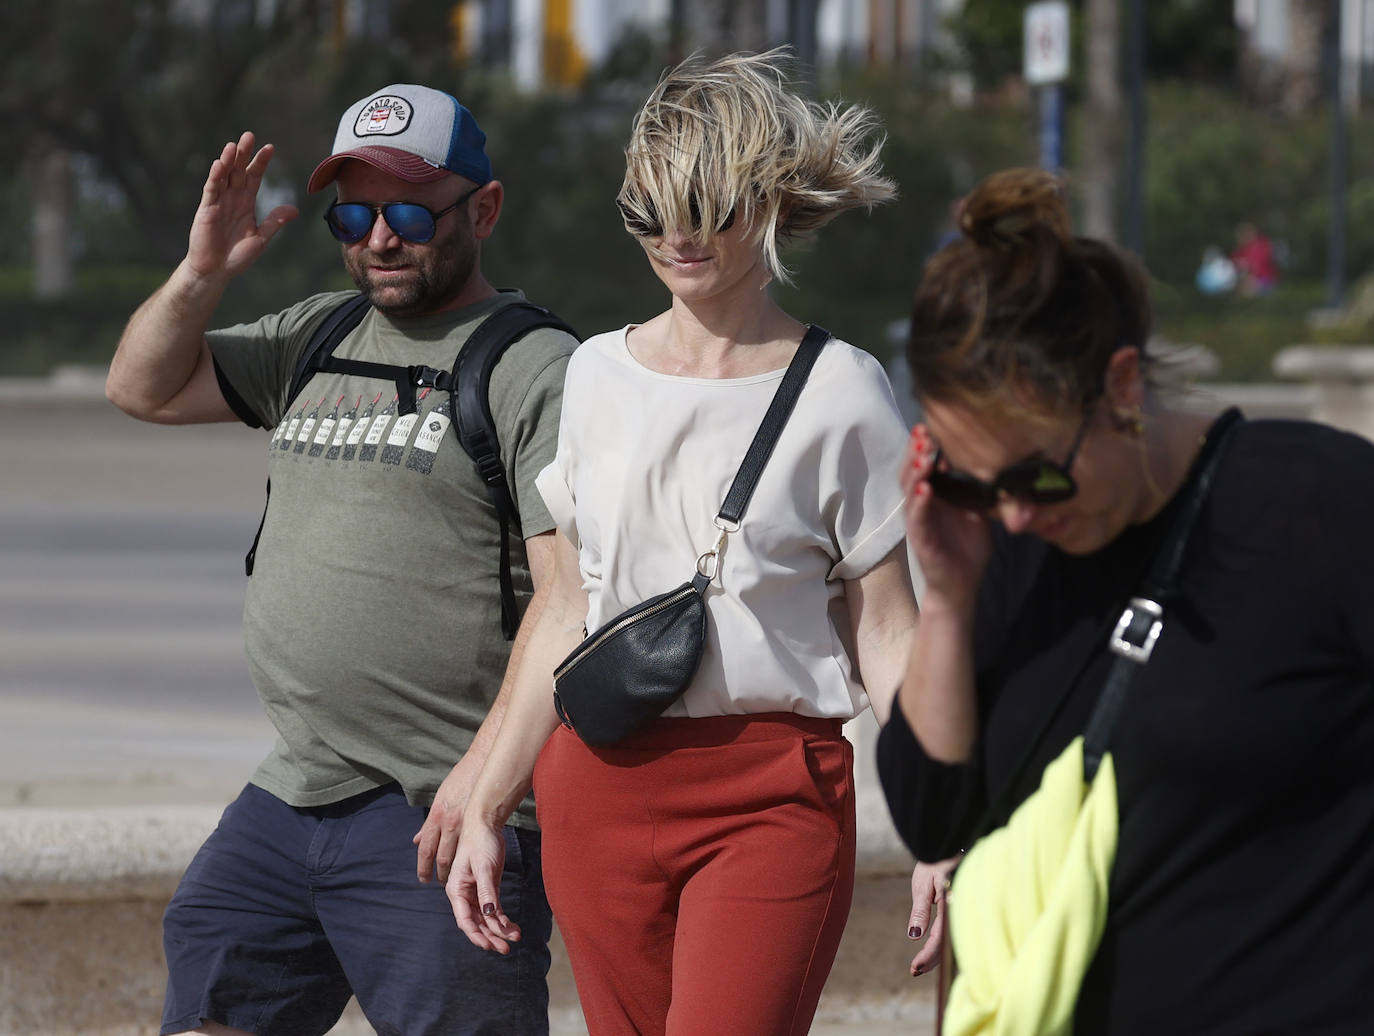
(1130, 422)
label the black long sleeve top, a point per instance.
(1242, 895)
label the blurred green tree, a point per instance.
(144, 98)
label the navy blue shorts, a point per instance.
(285, 912)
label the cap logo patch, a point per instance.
(383, 116)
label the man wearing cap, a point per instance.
(373, 613)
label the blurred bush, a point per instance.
(560, 238)
(1213, 161)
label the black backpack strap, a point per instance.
(406, 379)
(469, 384)
(319, 357)
(332, 330)
(473, 421)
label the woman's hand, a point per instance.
(550, 629)
(474, 887)
(928, 886)
(951, 544)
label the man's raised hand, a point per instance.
(226, 237)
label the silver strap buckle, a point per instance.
(708, 563)
(1138, 629)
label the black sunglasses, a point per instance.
(351, 221)
(1032, 481)
(653, 226)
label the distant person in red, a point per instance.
(1256, 270)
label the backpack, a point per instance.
(467, 384)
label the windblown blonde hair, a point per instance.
(731, 136)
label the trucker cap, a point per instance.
(412, 132)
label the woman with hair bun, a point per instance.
(1183, 840)
(701, 868)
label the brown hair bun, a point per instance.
(1016, 208)
(1018, 308)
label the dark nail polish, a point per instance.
(913, 932)
(488, 909)
(918, 972)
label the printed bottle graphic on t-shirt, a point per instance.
(429, 437)
(308, 427)
(295, 423)
(325, 430)
(359, 429)
(279, 431)
(341, 432)
(368, 450)
(395, 447)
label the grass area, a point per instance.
(37, 337)
(83, 329)
(1243, 333)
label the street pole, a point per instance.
(1135, 144)
(802, 31)
(1101, 136)
(1335, 251)
(1052, 127)
(1045, 67)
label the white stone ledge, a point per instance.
(118, 852)
(1325, 362)
(1263, 399)
(140, 852)
(1340, 379)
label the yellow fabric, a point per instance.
(1028, 905)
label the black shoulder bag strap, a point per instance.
(779, 410)
(332, 330)
(1137, 630)
(761, 448)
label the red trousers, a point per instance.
(701, 873)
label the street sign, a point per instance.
(1046, 54)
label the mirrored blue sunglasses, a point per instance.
(351, 221)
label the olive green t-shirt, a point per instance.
(373, 614)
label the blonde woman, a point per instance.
(701, 870)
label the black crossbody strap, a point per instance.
(1137, 631)
(784, 399)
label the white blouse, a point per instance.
(644, 462)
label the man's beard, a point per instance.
(435, 277)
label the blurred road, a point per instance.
(121, 591)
